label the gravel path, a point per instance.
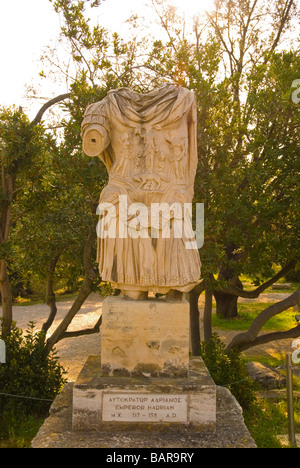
(73, 352)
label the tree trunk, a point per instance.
(85, 290)
(195, 318)
(6, 298)
(7, 186)
(195, 322)
(208, 314)
(226, 302)
(226, 305)
(84, 293)
(50, 295)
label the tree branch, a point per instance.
(235, 291)
(247, 340)
(87, 331)
(46, 106)
(283, 22)
(208, 313)
(269, 337)
(50, 295)
(85, 291)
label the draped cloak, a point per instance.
(150, 153)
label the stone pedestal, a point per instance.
(144, 377)
(129, 402)
(145, 338)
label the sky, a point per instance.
(28, 26)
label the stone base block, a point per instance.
(137, 403)
(145, 337)
(231, 431)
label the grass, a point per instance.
(248, 312)
(275, 360)
(268, 419)
(21, 430)
(40, 299)
(290, 290)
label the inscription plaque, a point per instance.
(144, 407)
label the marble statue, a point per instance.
(148, 145)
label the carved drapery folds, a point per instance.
(148, 145)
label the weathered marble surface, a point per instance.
(197, 405)
(148, 144)
(145, 337)
(231, 431)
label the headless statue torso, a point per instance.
(148, 144)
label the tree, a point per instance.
(247, 53)
(247, 144)
(227, 63)
(84, 179)
(51, 228)
(247, 141)
(22, 144)
(61, 202)
(100, 64)
(272, 181)
(243, 341)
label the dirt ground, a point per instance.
(73, 352)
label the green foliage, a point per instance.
(30, 372)
(248, 312)
(103, 57)
(248, 172)
(19, 140)
(265, 421)
(18, 429)
(268, 419)
(228, 370)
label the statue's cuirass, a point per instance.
(149, 149)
